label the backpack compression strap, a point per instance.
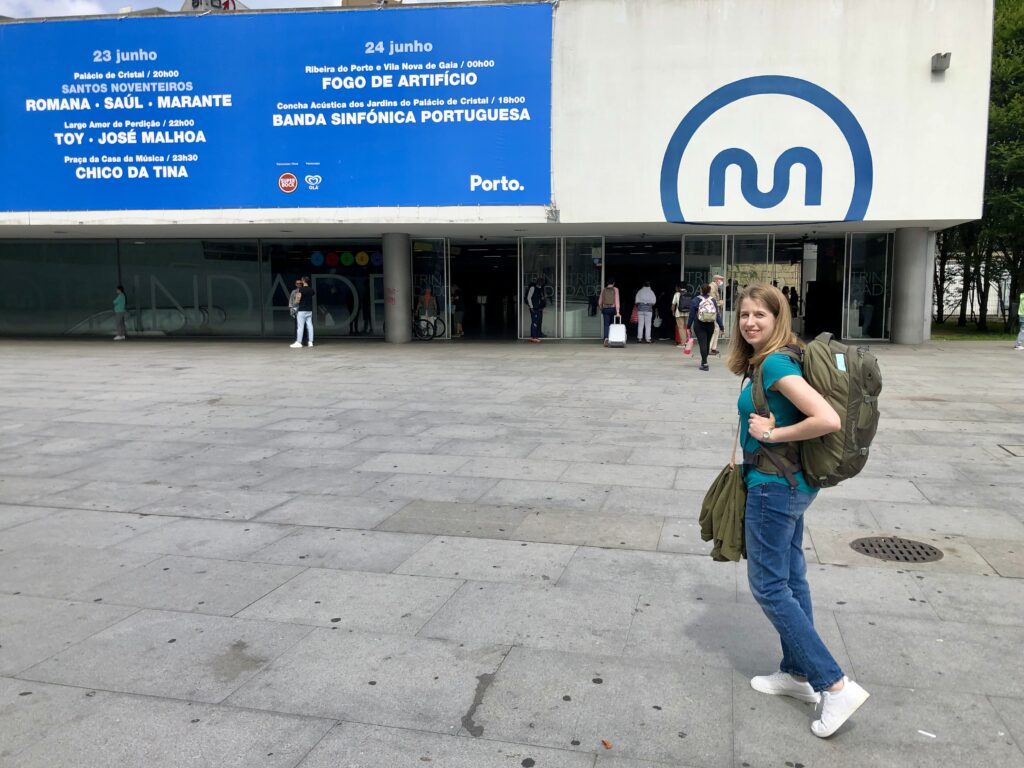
(781, 459)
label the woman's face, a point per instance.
(756, 322)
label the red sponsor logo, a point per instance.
(287, 183)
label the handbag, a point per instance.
(657, 321)
(635, 316)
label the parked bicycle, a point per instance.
(427, 328)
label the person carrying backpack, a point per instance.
(608, 303)
(704, 315)
(774, 513)
(534, 299)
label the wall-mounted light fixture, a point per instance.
(940, 62)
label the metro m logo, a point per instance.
(748, 177)
(822, 120)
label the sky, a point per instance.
(26, 9)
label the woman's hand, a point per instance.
(758, 425)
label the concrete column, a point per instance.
(911, 286)
(397, 288)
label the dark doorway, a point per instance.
(485, 274)
(823, 298)
(630, 263)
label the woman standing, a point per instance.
(705, 312)
(774, 516)
(120, 310)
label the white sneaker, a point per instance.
(784, 684)
(1019, 348)
(310, 344)
(296, 345)
(836, 708)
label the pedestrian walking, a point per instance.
(774, 513)
(304, 314)
(680, 309)
(293, 302)
(120, 312)
(535, 301)
(1020, 318)
(609, 305)
(705, 319)
(458, 312)
(645, 301)
(717, 295)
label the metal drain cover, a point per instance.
(896, 549)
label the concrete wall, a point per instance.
(626, 72)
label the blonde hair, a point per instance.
(741, 354)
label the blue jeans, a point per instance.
(536, 320)
(304, 319)
(1020, 336)
(607, 315)
(777, 573)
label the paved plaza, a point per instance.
(236, 554)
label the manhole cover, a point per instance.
(897, 549)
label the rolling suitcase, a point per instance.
(617, 333)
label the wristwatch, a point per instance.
(766, 436)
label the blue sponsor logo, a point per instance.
(755, 86)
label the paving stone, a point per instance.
(689, 576)
(108, 496)
(80, 528)
(33, 629)
(125, 731)
(31, 571)
(1005, 557)
(20, 490)
(619, 474)
(29, 711)
(13, 514)
(215, 504)
(682, 535)
(354, 600)
(321, 480)
(200, 585)
(930, 519)
(430, 487)
(535, 617)
(388, 680)
(1002, 497)
(974, 599)
(670, 712)
(172, 655)
(879, 489)
(563, 495)
(731, 636)
(514, 469)
(653, 501)
(371, 444)
(346, 550)
(196, 537)
(413, 463)
(453, 519)
(1011, 713)
(958, 556)
(933, 655)
(584, 452)
(367, 746)
(592, 530)
(489, 560)
(341, 511)
(493, 448)
(44, 466)
(958, 729)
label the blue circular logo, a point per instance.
(815, 95)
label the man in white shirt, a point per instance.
(645, 301)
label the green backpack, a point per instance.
(850, 380)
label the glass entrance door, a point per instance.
(540, 260)
(430, 274)
(868, 289)
(749, 263)
(584, 262)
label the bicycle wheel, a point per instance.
(439, 328)
(423, 329)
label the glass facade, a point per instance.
(233, 288)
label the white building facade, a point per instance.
(819, 144)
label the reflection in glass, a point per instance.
(868, 287)
(192, 287)
(59, 286)
(583, 258)
(348, 278)
(428, 271)
(540, 261)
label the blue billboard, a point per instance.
(402, 107)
